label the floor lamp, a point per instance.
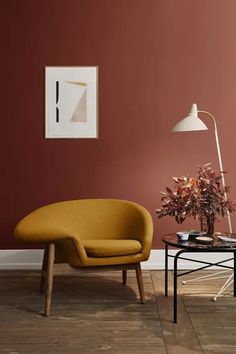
(193, 123)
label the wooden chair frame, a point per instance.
(46, 283)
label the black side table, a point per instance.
(194, 246)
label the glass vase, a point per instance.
(207, 225)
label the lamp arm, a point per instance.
(220, 163)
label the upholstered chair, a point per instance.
(92, 234)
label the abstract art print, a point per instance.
(71, 102)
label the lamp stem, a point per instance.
(220, 163)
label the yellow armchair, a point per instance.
(91, 234)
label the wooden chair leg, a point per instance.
(124, 277)
(140, 282)
(44, 271)
(49, 280)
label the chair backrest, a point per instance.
(96, 218)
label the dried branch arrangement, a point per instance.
(202, 197)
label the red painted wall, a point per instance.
(155, 58)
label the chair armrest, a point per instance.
(146, 235)
(29, 231)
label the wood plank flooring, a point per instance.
(95, 313)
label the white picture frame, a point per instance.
(71, 107)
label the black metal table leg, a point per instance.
(166, 270)
(175, 290)
(175, 285)
(234, 273)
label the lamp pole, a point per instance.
(220, 163)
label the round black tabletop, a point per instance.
(193, 244)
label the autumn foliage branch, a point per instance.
(202, 196)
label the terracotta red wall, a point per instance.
(155, 58)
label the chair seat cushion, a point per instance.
(111, 248)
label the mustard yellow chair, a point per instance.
(92, 234)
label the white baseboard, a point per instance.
(157, 260)
(21, 259)
(32, 259)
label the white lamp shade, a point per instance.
(190, 123)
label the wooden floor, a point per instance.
(95, 313)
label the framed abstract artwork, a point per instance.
(71, 107)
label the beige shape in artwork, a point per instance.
(80, 113)
(77, 83)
